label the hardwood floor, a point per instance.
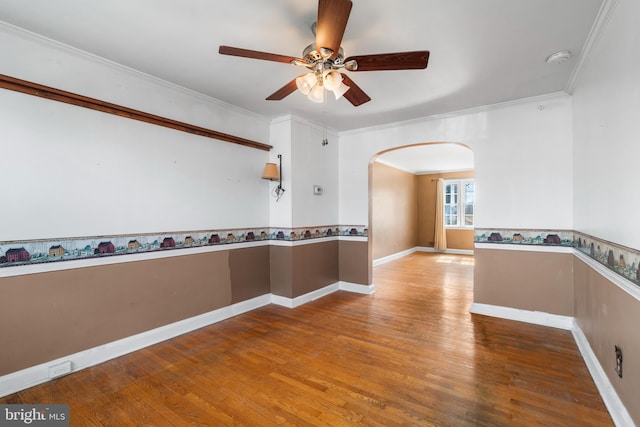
(411, 354)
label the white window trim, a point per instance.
(461, 182)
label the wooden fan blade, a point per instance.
(284, 91)
(354, 95)
(254, 54)
(391, 61)
(332, 21)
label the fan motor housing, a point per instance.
(313, 56)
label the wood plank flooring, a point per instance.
(411, 354)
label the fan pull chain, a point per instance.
(325, 141)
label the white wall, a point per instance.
(305, 163)
(73, 172)
(280, 210)
(314, 164)
(522, 154)
(606, 115)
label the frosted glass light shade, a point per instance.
(316, 94)
(306, 82)
(340, 90)
(332, 79)
(271, 172)
(302, 85)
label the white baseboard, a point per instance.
(357, 288)
(535, 317)
(616, 408)
(39, 374)
(446, 251)
(383, 260)
(319, 293)
(303, 299)
(34, 375)
(614, 405)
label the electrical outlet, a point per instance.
(60, 369)
(618, 361)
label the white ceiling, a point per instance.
(482, 52)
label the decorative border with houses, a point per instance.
(524, 237)
(620, 259)
(15, 253)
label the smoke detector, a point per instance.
(559, 57)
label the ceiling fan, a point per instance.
(325, 57)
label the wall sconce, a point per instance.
(272, 173)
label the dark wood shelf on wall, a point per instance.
(35, 89)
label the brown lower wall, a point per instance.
(281, 270)
(249, 271)
(355, 262)
(527, 280)
(314, 266)
(300, 269)
(609, 316)
(49, 315)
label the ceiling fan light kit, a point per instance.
(313, 84)
(325, 58)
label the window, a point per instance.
(459, 195)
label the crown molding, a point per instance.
(600, 24)
(473, 110)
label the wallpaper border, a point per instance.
(31, 252)
(521, 236)
(622, 260)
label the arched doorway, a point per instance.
(402, 185)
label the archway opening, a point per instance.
(402, 199)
